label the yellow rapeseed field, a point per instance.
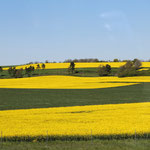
(80, 65)
(143, 69)
(70, 82)
(77, 120)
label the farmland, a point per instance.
(77, 122)
(79, 65)
(81, 69)
(83, 106)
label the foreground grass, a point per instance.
(129, 144)
(37, 98)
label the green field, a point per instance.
(37, 98)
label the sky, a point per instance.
(56, 30)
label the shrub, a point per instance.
(127, 72)
(104, 70)
(130, 68)
(137, 64)
(18, 73)
(12, 71)
(29, 70)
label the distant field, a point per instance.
(80, 65)
(77, 65)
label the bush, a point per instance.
(29, 70)
(12, 71)
(18, 73)
(127, 73)
(130, 68)
(104, 70)
(137, 64)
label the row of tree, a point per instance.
(82, 60)
(18, 73)
(129, 69)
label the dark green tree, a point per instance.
(104, 70)
(38, 66)
(108, 68)
(71, 68)
(129, 69)
(43, 66)
(29, 70)
(137, 64)
(116, 60)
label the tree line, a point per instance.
(83, 60)
(18, 73)
(130, 68)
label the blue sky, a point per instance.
(55, 30)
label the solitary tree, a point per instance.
(71, 67)
(43, 66)
(108, 68)
(38, 66)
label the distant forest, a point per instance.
(86, 60)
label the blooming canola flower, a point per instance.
(77, 120)
(78, 65)
(70, 82)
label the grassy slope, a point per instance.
(36, 98)
(129, 144)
